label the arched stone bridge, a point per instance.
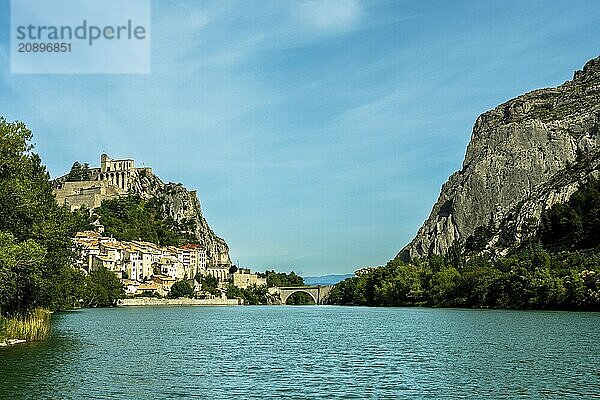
(318, 293)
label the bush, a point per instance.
(35, 326)
(574, 225)
(282, 279)
(103, 289)
(181, 289)
(208, 283)
(252, 295)
(134, 218)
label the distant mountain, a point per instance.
(325, 279)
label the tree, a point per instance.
(79, 172)
(574, 225)
(255, 295)
(443, 287)
(103, 288)
(282, 279)
(475, 282)
(134, 218)
(208, 283)
(455, 256)
(37, 246)
(21, 267)
(345, 293)
(478, 240)
(233, 291)
(181, 289)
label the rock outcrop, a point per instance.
(524, 156)
(88, 187)
(182, 205)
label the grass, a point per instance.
(33, 327)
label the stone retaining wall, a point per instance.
(151, 301)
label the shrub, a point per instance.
(181, 289)
(35, 326)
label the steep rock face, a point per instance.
(522, 220)
(182, 205)
(520, 160)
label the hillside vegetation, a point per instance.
(36, 254)
(558, 267)
(133, 218)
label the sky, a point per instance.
(317, 133)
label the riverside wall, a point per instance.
(154, 302)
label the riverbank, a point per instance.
(33, 327)
(11, 342)
(154, 302)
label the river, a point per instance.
(308, 352)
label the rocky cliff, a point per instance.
(524, 156)
(89, 187)
(182, 205)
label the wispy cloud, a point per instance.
(4, 63)
(316, 132)
(329, 16)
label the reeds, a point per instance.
(35, 326)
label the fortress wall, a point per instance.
(85, 193)
(89, 200)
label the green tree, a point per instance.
(36, 223)
(574, 225)
(347, 292)
(255, 295)
(79, 172)
(103, 289)
(181, 289)
(282, 279)
(208, 283)
(134, 218)
(475, 281)
(478, 240)
(455, 255)
(444, 285)
(21, 274)
(252, 295)
(233, 291)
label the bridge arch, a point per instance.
(318, 293)
(289, 293)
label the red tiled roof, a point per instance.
(190, 246)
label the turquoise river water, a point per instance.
(308, 352)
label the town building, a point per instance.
(193, 258)
(364, 271)
(172, 267)
(145, 267)
(165, 282)
(220, 272)
(138, 262)
(243, 279)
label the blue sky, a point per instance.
(317, 133)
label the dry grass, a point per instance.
(35, 326)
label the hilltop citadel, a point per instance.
(114, 178)
(145, 267)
